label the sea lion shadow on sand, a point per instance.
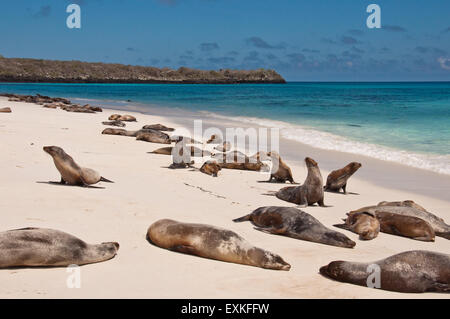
(340, 193)
(67, 185)
(276, 182)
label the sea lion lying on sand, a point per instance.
(414, 271)
(292, 222)
(5, 110)
(158, 127)
(280, 171)
(125, 118)
(195, 151)
(310, 192)
(40, 247)
(213, 243)
(338, 179)
(210, 168)
(114, 123)
(409, 208)
(153, 136)
(238, 160)
(71, 173)
(366, 225)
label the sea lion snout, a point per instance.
(114, 246)
(310, 162)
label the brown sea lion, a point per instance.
(292, 222)
(238, 160)
(114, 117)
(210, 168)
(114, 123)
(214, 139)
(158, 127)
(365, 224)
(338, 179)
(40, 247)
(211, 242)
(405, 203)
(414, 271)
(153, 137)
(225, 147)
(71, 173)
(5, 110)
(119, 131)
(280, 171)
(409, 208)
(310, 192)
(406, 226)
(184, 139)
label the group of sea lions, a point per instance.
(412, 271)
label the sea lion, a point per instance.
(405, 203)
(158, 127)
(310, 192)
(114, 123)
(210, 168)
(212, 242)
(71, 173)
(409, 208)
(214, 139)
(238, 160)
(119, 131)
(338, 179)
(5, 110)
(184, 139)
(127, 118)
(365, 224)
(40, 247)
(225, 147)
(153, 137)
(292, 222)
(280, 171)
(195, 151)
(414, 271)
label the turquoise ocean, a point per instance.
(408, 123)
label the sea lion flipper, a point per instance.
(445, 235)
(440, 287)
(102, 179)
(343, 226)
(242, 219)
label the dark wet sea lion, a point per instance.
(71, 173)
(280, 171)
(210, 168)
(211, 242)
(365, 224)
(40, 247)
(5, 110)
(158, 127)
(292, 222)
(310, 192)
(409, 208)
(410, 272)
(114, 123)
(338, 179)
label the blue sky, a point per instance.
(304, 40)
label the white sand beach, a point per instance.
(145, 190)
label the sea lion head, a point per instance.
(354, 166)
(333, 270)
(54, 150)
(274, 261)
(310, 162)
(338, 239)
(108, 248)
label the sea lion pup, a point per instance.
(5, 110)
(71, 173)
(283, 172)
(114, 123)
(210, 168)
(409, 208)
(213, 243)
(225, 147)
(114, 117)
(338, 179)
(153, 136)
(292, 222)
(310, 192)
(40, 247)
(214, 139)
(406, 226)
(414, 271)
(195, 151)
(158, 127)
(365, 224)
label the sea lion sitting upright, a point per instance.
(210, 168)
(310, 192)
(292, 222)
(365, 224)
(40, 247)
(5, 110)
(414, 271)
(283, 172)
(409, 208)
(71, 173)
(338, 179)
(211, 242)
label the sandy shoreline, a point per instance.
(145, 191)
